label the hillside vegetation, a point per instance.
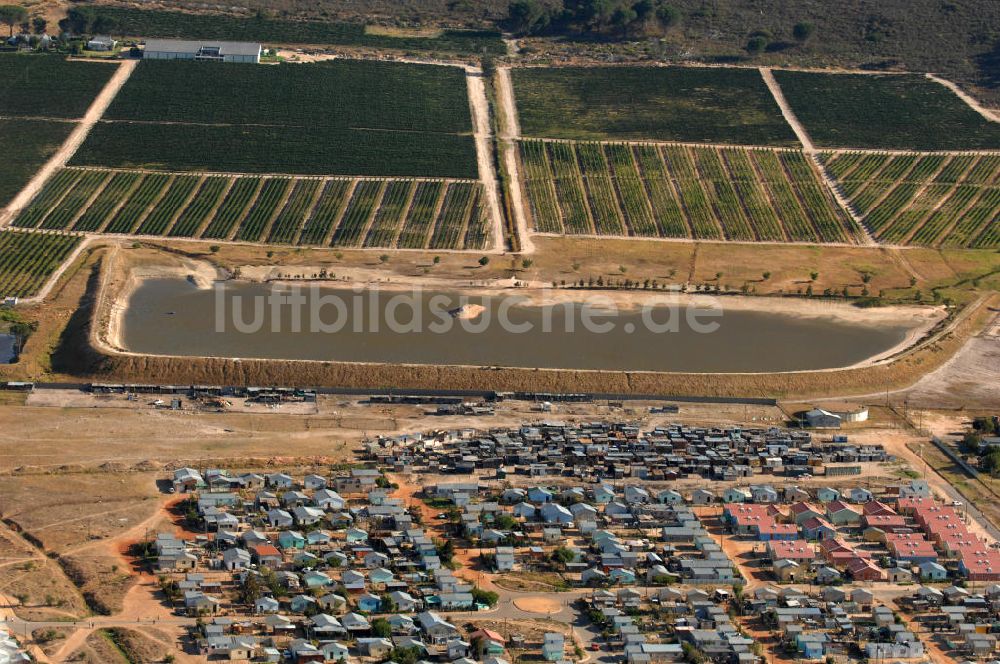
(959, 38)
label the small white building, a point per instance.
(217, 51)
(101, 43)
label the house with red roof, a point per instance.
(840, 513)
(913, 548)
(802, 512)
(979, 563)
(818, 528)
(863, 569)
(797, 550)
(876, 507)
(911, 504)
(878, 525)
(266, 555)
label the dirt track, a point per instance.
(484, 152)
(509, 132)
(72, 144)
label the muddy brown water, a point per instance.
(173, 317)
(7, 354)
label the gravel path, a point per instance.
(484, 151)
(509, 132)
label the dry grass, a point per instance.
(64, 511)
(102, 579)
(99, 648)
(138, 646)
(545, 582)
(36, 582)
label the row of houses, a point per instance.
(600, 451)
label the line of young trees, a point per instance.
(626, 17)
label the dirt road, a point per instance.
(810, 149)
(72, 144)
(967, 98)
(484, 151)
(510, 131)
(786, 110)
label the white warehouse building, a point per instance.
(218, 51)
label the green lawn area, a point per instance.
(905, 112)
(49, 85)
(687, 104)
(27, 145)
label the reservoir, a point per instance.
(7, 354)
(171, 316)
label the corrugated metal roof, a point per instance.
(193, 46)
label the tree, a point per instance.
(104, 25)
(766, 275)
(39, 24)
(527, 16)
(803, 31)
(381, 628)
(505, 522)
(991, 462)
(437, 259)
(484, 261)
(814, 275)
(527, 263)
(445, 550)
(384, 258)
(644, 10)
(563, 555)
(622, 18)
(756, 44)
(692, 655)
(971, 442)
(78, 20)
(668, 15)
(11, 15)
(250, 589)
(489, 66)
(487, 597)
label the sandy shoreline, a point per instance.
(919, 320)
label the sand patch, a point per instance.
(538, 604)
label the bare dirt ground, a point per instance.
(968, 381)
(483, 132)
(509, 132)
(73, 142)
(543, 605)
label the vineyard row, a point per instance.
(675, 191)
(377, 213)
(928, 200)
